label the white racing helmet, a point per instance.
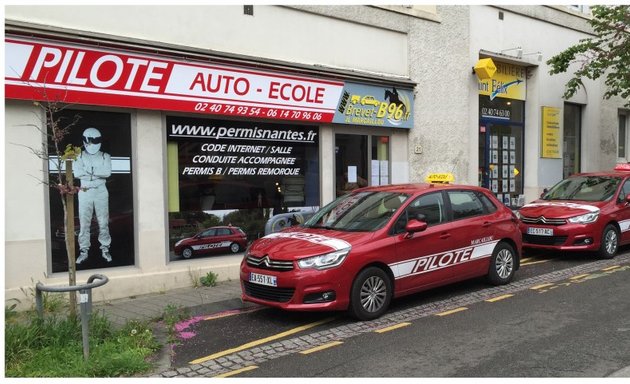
(92, 140)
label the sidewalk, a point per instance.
(226, 295)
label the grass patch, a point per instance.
(53, 348)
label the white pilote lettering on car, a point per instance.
(437, 261)
(336, 244)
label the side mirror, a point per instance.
(414, 226)
(544, 193)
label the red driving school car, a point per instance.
(212, 240)
(584, 212)
(376, 243)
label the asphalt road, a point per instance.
(563, 316)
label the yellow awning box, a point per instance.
(485, 68)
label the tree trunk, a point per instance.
(70, 240)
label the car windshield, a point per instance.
(363, 211)
(586, 188)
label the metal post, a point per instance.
(85, 301)
(85, 321)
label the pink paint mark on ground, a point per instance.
(181, 328)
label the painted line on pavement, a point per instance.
(393, 327)
(262, 341)
(229, 313)
(492, 300)
(322, 347)
(541, 286)
(534, 262)
(579, 276)
(446, 313)
(237, 371)
(611, 268)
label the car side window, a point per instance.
(209, 232)
(490, 207)
(625, 191)
(429, 208)
(223, 232)
(465, 204)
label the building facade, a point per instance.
(265, 114)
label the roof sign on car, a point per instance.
(622, 167)
(440, 178)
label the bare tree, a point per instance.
(60, 179)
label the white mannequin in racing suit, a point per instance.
(93, 167)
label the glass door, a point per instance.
(351, 162)
(501, 149)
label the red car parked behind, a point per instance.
(584, 212)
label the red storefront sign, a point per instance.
(41, 70)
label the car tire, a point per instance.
(187, 253)
(502, 264)
(234, 247)
(371, 294)
(610, 242)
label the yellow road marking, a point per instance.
(262, 341)
(542, 286)
(232, 313)
(498, 298)
(579, 276)
(526, 259)
(322, 347)
(387, 329)
(610, 268)
(237, 371)
(534, 262)
(451, 311)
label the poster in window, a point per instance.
(494, 143)
(104, 225)
(505, 142)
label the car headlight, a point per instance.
(329, 260)
(590, 217)
(518, 215)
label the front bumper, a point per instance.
(304, 290)
(567, 237)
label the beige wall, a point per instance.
(274, 32)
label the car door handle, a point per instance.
(486, 224)
(445, 235)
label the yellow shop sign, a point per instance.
(508, 82)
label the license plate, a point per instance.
(257, 278)
(540, 231)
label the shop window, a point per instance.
(239, 174)
(104, 225)
(571, 139)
